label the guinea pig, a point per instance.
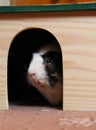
(45, 73)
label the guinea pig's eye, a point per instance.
(49, 61)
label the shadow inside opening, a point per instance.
(20, 53)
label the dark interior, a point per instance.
(20, 54)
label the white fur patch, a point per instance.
(36, 66)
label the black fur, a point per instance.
(53, 66)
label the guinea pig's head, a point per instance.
(45, 69)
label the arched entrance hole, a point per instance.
(20, 53)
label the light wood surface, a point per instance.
(4, 2)
(76, 33)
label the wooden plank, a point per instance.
(3, 81)
(77, 37)
(31, 2)
(49, 8)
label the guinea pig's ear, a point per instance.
(58, 56)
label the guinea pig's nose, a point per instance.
(32, 74)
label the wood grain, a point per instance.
(77, 37)
(3, 81)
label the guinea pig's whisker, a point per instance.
(26, 79)
(25, 74)
(54, 75)
(25, 67)
(43, 75)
